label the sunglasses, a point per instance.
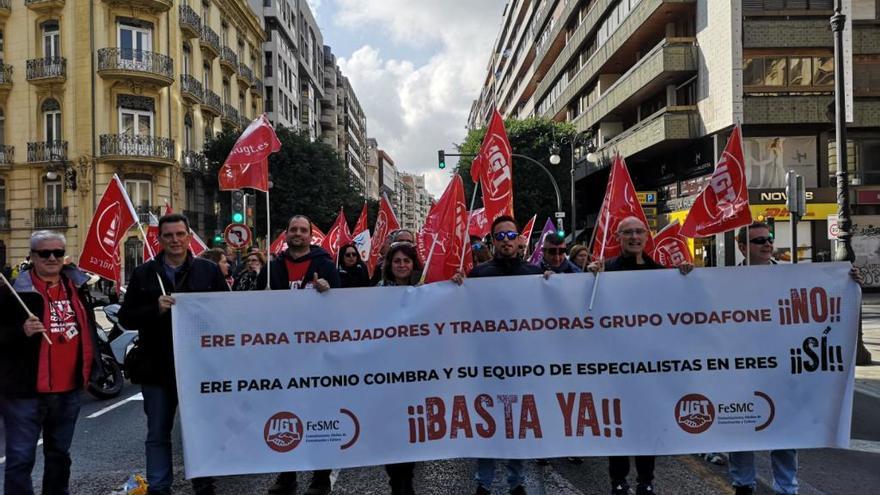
(45, 253)
(351, 255)
(556, 251)
(762, 240)
(509, 235)
(476, 246)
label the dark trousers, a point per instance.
(400, 477)
(319, 478)
(160, 406)
(53, 414)
(618, 469)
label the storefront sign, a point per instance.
(868, 197)
(815, 211)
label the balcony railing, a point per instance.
(5, 216)
(7, 155)
(6, 5)
(212, 100)
(46, 151)
(190, 22)
(47, 218)
(228, 56)
(243, 121)
(132, 145)
(246, 73)
(210, 39)
(191, 86)
(144, 212)
(194, 162)
(46, 68)
(43, 3)
(128, 59)
(5, 72)
(257, 87)
(230, 114)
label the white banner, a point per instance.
(723, 359)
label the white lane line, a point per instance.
(3, 459)
(871, 446)
(137, 396)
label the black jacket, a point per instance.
(320, 263)
(565, 267)
(501, 267)
(20, 354)
(140, 310)
(357, 276)
(624, 263)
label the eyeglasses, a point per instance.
(630, 232)
(762, 240)
(509, 234)
(556, 251)
(351, 254)
(476, 246)
(45, 253)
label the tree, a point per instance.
(308, 178)
(532, 191)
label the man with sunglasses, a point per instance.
(554, 258)
(40, 383)
(479, 250)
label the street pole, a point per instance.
(559, 210)
(843, 249)
(574, 141)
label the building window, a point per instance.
(187, 132)
(227, 92)
(51, 39)
(134, 40)
(140, 191)
(51, 120)
(778, 73)
(2, 129)
(207, 77)
(241, 105)
(269, 99)
(187, 59)
(54, 193)
(267, 70)
(136, 115)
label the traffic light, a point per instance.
(250, 209)
(560, 234)
(441, 159)
(237, 206)
(218, 239)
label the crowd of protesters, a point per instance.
(39, 391)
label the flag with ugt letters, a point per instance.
(445, 231)
(493, 169)
(248, 163)
(114, 216)
(337, 236)
(670, 247)
(621, 201)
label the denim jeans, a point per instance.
(486, 473)
(784, 465)
(53, 414)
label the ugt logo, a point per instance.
(283, 432)
(694, 413)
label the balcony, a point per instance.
(129, 64)
(193, 162)
(209, 40)
(44, 6)
(50, 218)
(230, 115)
(48, 70)
(191, 89)
(190, 22)
(789, 109)
(47, 151)
(7, 156)
(257, 88)
(5, 9)
(211, 103)
(152, 6)
(5, 217)
(666, 130)
(228, 60)
(145, 211)
(328, 119)
(125, 147)
(5, 79)
(245, 75)
(243, 121)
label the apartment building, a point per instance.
(280, 59)
(663, 82)
(371, 166)
(414, 201)
(343, 123)
(124, 87)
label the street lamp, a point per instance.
(559, 213)
(579, 139)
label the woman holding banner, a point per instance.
(352, 270)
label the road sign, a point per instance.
(647, 197)
(237, 235)
(833, 229)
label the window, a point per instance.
(2, 132)
(269, 99)
(187, 132)
(267, 70)
(187, 59)
(224, 34)
(241, 105)
(3, 198)
(800, 71)
(53, 192)
(207, 77)
(140, 191)
(135, 122)
(51, 39)
(797, 73)
(134, 40)
(51, 120)
(823, 71)
(227, 92)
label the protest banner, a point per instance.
(723, 359)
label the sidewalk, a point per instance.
(868, 377)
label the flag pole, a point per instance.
(468, 226)
(28, 311)
(428, 261)
(601, 257)
(141, 229)
(268, 242)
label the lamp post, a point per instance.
(574, 141)
(843, 250)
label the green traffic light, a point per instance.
(560, 233)
(237, 217)
(442, 165)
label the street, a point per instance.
(108, 448)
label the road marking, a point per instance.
(3, 459)
(137, 396)
(871, 446)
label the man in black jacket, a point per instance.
(149, 310)
(302, 266)
(40, 383)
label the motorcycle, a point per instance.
(114, 345)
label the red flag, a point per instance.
(168, 209)
(386, 222)
(248, 163)
(151, 244)
(317, 236)
(479, 226)
(493, 168)
(724, 204)
(279, 245)
(527, 230)
(620, 202)
(337, 236)
(361, 224)
(445, 231)
(113, 217)
(670, 247)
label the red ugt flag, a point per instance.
(479, 226)
(386, 222)
(724, 204)
(493, 169)
(446, 231)
(620, 202)
(248, 163)
(361, 224)
(113, 217)
(337, 236)
(670, 247)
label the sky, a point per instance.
(416, 67)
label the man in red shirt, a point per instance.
(40, 382)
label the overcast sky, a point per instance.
(416, 66)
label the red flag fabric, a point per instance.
(480, 225)
(361, 224)
(527, 230)
(317, 236)
(151, 244)
(248, 163)
(493, 169)
(279, 245)
(670, 247)
(724, 204)
(386, 222)
(337, 236)
(445, 231)
(113, 217)
(620, 202)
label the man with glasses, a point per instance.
(479, 250)
(46, 358)
(554, 259)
